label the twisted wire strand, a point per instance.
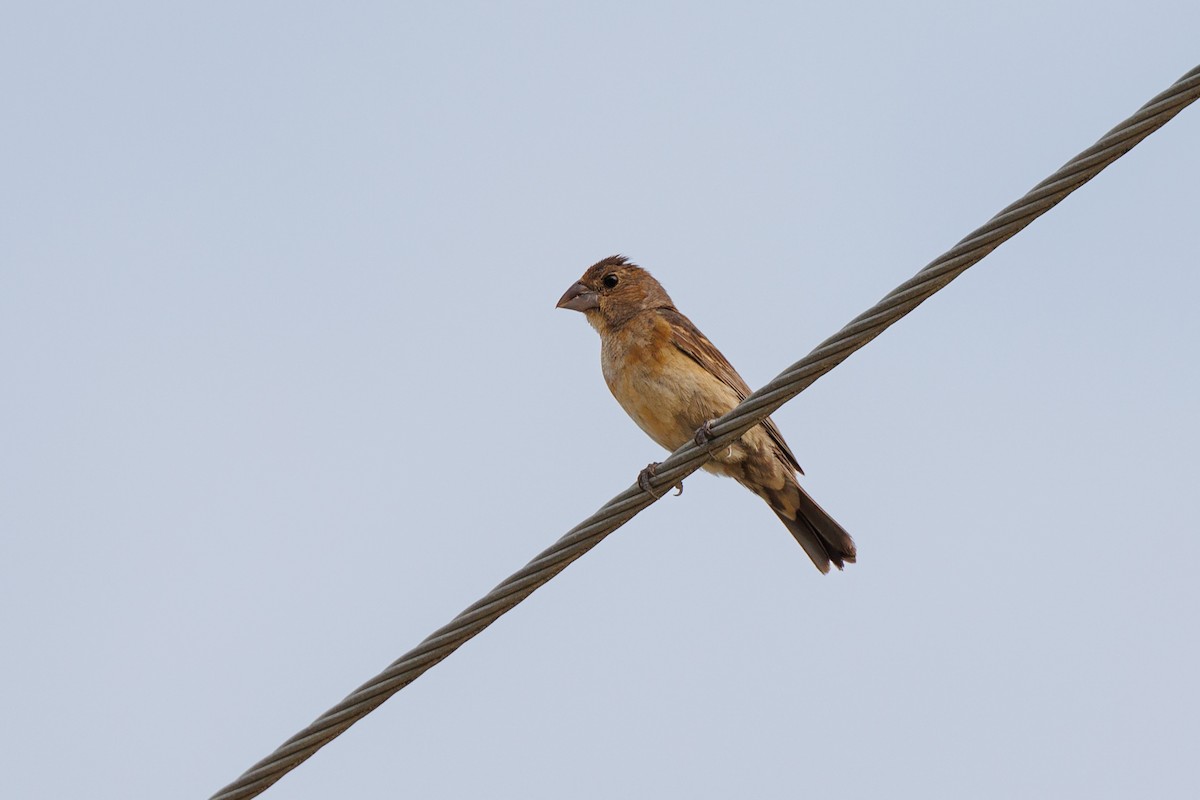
(687, 459)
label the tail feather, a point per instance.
(819, 534)
(769, 475)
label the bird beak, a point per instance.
(579, 298)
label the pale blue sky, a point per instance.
(284, 389)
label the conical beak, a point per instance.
(579, 298)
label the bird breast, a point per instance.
(664, 391)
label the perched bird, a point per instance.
(672, 381)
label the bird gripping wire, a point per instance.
(687, 459)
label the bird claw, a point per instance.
(643, 481)
(704, 434)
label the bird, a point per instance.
(673, 382)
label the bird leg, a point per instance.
(644, 477)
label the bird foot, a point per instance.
(704, 434)
(644, 477)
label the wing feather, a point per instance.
(688, 339)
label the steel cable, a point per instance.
(687, 459)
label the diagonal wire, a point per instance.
(687, 459)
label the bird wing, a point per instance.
(688, 339)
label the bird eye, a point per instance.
(610, 281)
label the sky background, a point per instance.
(284, 389)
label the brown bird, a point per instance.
(672, 381)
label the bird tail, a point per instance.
(819, 534)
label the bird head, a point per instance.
(613, 291)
